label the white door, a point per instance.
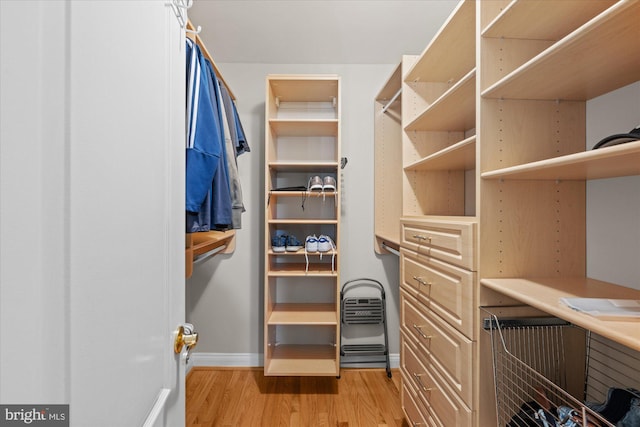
(92, 209)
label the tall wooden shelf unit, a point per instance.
(494, 165)
(535, 81)
(302, 301)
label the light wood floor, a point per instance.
(245, 397)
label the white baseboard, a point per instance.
(256, 360)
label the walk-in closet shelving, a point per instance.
(301, 292)
(438, 119)
(535, 81)
(388, 159)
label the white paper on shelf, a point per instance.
(606, 308)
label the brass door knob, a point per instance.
(185, 336)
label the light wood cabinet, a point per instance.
(493, 125)
(301, 289)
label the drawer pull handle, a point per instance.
(420, 383)
(421, 281)
(422, 334)
(421, 237)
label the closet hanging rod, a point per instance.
(196, 38)
(391, 101)
(390, 249)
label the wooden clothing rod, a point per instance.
(196, 38)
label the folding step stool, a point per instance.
(361, 310)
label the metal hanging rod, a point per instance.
(391, 101)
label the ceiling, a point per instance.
(317, 32)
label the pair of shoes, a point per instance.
(319, 244)
(322, 245)
(318, 184)
(283, 242)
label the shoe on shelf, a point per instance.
(279, 243)
(329, 184)
(293, 244)
(315, 184)
(325, 244)
(311, 244)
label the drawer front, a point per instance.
(440, 346)
(414, 411)
(447, 290)
(449, 241)
(444, 407)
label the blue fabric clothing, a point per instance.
(204, 136)
(221, 194)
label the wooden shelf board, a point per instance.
(594, 59)
(299, 252)
(454, 110)
(303, 221)
(316, 167)
(303, 360)
(209, 240)
(298, 269)
(609, 162)
(304, 127)
(551, 23)
(545, 293)
(451, 53)
(304, 88)
(304, 314)
(299, 193)
(391, 86)
(393, 241)
(461, 155)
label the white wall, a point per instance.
(613, 205)
(224, 295)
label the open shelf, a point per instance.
(311, 167)
(545, 293)
(304, 127)
(303, 221)
(303, 314)
(609, 162)
(551, 23)
(451, 53)
(303, 360)
(298, 269)
(456, 157)
(454, 110)
(309, 88)
(198, 244)
(594, 59)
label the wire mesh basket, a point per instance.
(550, 373)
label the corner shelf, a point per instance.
(198, 244)
(454, 110)
(581, 65)
(609, 162)
(460, 156)
(545, 293)
(551, 23)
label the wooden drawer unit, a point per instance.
(443, 405)
(445, 289)
(450, 241)
(413, 410)
(439, 346)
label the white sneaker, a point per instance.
(325, 244)
(311, 244)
